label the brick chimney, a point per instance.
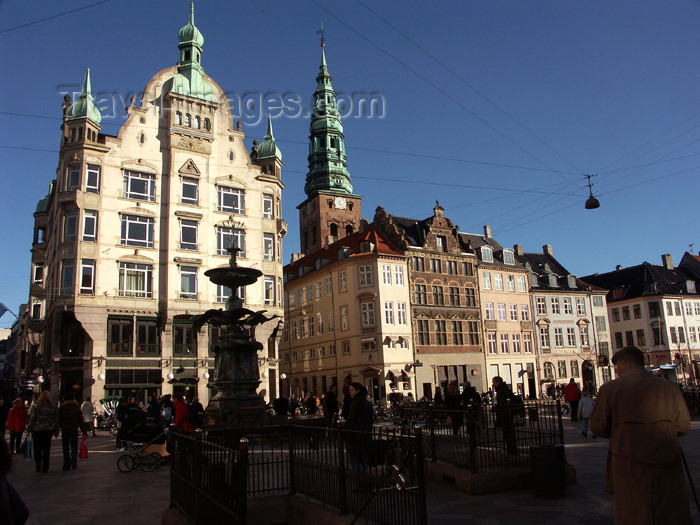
(667, 261)
(547, 250)
(518, 249)
(487, 231)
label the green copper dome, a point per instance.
(190, 33)
(84, 107)
(268, 149)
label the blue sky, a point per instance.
(498, 110)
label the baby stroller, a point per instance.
(146, 448)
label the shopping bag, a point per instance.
(28, 448)
(83, 447)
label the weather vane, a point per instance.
(322, 32)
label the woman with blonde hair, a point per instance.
(43, 421)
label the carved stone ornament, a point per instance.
(192, 145)
(76, 157)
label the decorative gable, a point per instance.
(190, 168)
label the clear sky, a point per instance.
(497, 109)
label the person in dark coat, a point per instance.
(281, 406)
(12, 508)
(330, 402)
(153, 411)
(453, 403)
(70, 419)
(504, 413)
(360, 421)
(347, 402)
(196, 413)
(437, 400)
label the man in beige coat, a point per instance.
(643, 415)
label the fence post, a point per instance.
(420, 471)
(561, 424)
(471, 428)
(242, 491)
(292, 481)
(197, 471)
(431, 424)
(342, 470)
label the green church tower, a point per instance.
(331, 210)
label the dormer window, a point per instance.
(552, 280)
(690, 286)
(366, 246)
(487, 254)
(508, 257)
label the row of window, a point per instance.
(506, 315)
(559, 341)
(561, 370)
(136, 280)
(560, 305)
(139, 338)
(439, 334)
(509, 342)
(498, 282)
(367, 345)
(437, 296)
(442, 266)
(188, 121)
(678, 336)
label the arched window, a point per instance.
(334, 230)
(188, 119)
(348, 230)
(207, 124)
(197, 122)
(80, 133)
(178, 118)
(350, 206)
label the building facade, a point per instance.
(657, 308)
(131, 224)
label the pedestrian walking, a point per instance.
(585, 408)
(182, 414)
(330, 402)
(504, 411)
(16, 424)
(453, 403)
(88, 410)
(360, 421)
(13, 511)
(572, 396)
(153, 411)
(70, 419)
(643, 415)
(43, 422)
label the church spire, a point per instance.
(328, 171)
(84, 107)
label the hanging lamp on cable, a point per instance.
(591, 203)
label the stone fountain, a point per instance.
(236, 374)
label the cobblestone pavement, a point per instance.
(97, 493)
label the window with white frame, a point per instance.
(268, 246)
(568, 308)
(554, 302)
(389, 312)
(558, 337)
(73, 178)
(367, 311)
(329, 285)
(452, 267)
(440, 333)
(580, 306)
(398, 275)
(386, 274)
(188, 282)
(70, 225)
(513, 312)
(331, 321)
(527, 342)
(505, 344)
(343, 317)
(522, 283)
(510, 283)
(189, 190)
(524, 312)
(490, 312)
(89, 225)
(141, 186)
(137, 231)
(228, 237)
(346, 347)
(487, 280)
(487, 254)
(516, 343)
(436, 265)
(269, 289)
(268, 200)
(583, 331)
(501, 312)
(508, 257)
(491, 338)
(36, 309)
(319, 321)
(369, 345)
(498, 281)
(365, 275)
(692, 336)
(544, 337)
(457, 335)
(67, 276)
(188, 235)
(230, 200)
(222, 293)
(309, 293)
(92, 179)
(319, 289)
(87, 276)
(312, 326)
(38, 275)
(401, 313)
(570, 337)
(342, 281)
(135, 280)
(696, 308)
(598, 300)
(541, 306)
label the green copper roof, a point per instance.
(43, 204)
(268, 149)
(328, 170)
(189, 80)
(84, 107)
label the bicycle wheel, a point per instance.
(159, 459)
(126, 463)
(148, 463)
(113, 429)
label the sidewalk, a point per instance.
(98, 493)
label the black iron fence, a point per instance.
(486, 436)
(378, 475)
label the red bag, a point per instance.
(83, 447)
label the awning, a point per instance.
(370, 371)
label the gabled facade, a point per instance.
(129, 227)
(347, 318)
(509, 348)
(444, 300)
(657, 308)
(563, 322)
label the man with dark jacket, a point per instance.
(504, 413)
(70, 420)
(330, 402)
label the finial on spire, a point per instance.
(87, 88)
(269, 134)
(322, 32)
(192, 13)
